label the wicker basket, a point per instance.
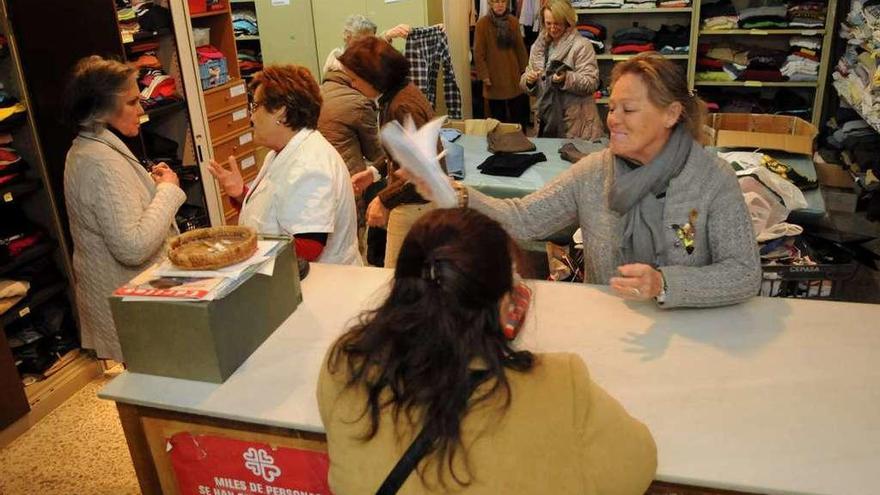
(212, 248)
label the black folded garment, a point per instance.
(673, 35)
(633, 36)
(510, 164)
(717, 9)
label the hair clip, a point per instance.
(429, 271)
(692, 93)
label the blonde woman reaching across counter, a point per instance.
(662, 219)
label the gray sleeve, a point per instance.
(735, 274)
(542, 213)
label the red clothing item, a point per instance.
(308, 249)
(632, 48)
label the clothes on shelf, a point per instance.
(244, 22)
(633, 40)
(249, 61)
(718, 15)
(427, 50)
(853, 142)
(722, 15)
(595, 33)
(673, 39)
(856, 75)
(735, 62)
(630, 4)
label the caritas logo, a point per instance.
(213, 465)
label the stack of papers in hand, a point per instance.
(164, 281)
(416, 151)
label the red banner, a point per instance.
(209, 465)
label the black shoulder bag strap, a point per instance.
(419, 447)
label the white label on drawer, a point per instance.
(236, 91)
(280, 3)
(241, 114)
(7, 198)
(245, 138)
(24, 312)
(248, 162)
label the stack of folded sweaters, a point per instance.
(595, 33)
(803, 62)
(806, 13)
(674, 39)
(719, 15)
(639, 4)
(606, 4)
(764, 17)
(633, 40)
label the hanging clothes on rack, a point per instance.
(427, 49)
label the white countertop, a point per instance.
(774, 395)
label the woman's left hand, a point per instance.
(377, 214)
(558, 78)
(637, 282)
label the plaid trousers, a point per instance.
(427, 49)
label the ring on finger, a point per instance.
(635, 291)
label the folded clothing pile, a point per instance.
(780, 101)
(674, 4)
(249, 61)
(639, 4)
(157, 87)
(606, 4)
(673, 39)
(633, 40)
(12, 167)
(12, 113)
(719, 15)
(803, 62)
(510, 164)
(244, 22)
(854, 141)
(764, 17)
(595, 33)
(721, 62)
(806, 13)
(153, 18)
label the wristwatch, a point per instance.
(661, 297)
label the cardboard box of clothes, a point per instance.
(760, 131)
(207, 340)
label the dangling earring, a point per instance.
(278, 122)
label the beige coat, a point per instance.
(503, 67)
(581, 115)
(562, 434)
(350, 121)
(119, 221)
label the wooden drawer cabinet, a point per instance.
(230, 122)
(226, 97)
(240, 144)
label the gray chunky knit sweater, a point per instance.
(723, 267)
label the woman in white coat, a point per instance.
(303, 189)
(120, 215)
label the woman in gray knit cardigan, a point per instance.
(662, 218)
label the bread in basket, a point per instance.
(212, 248)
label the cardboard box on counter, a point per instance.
(207, 340)
(761, 131)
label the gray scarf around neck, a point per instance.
(634, 195)
(504, 37)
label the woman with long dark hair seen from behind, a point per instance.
(432, 359)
